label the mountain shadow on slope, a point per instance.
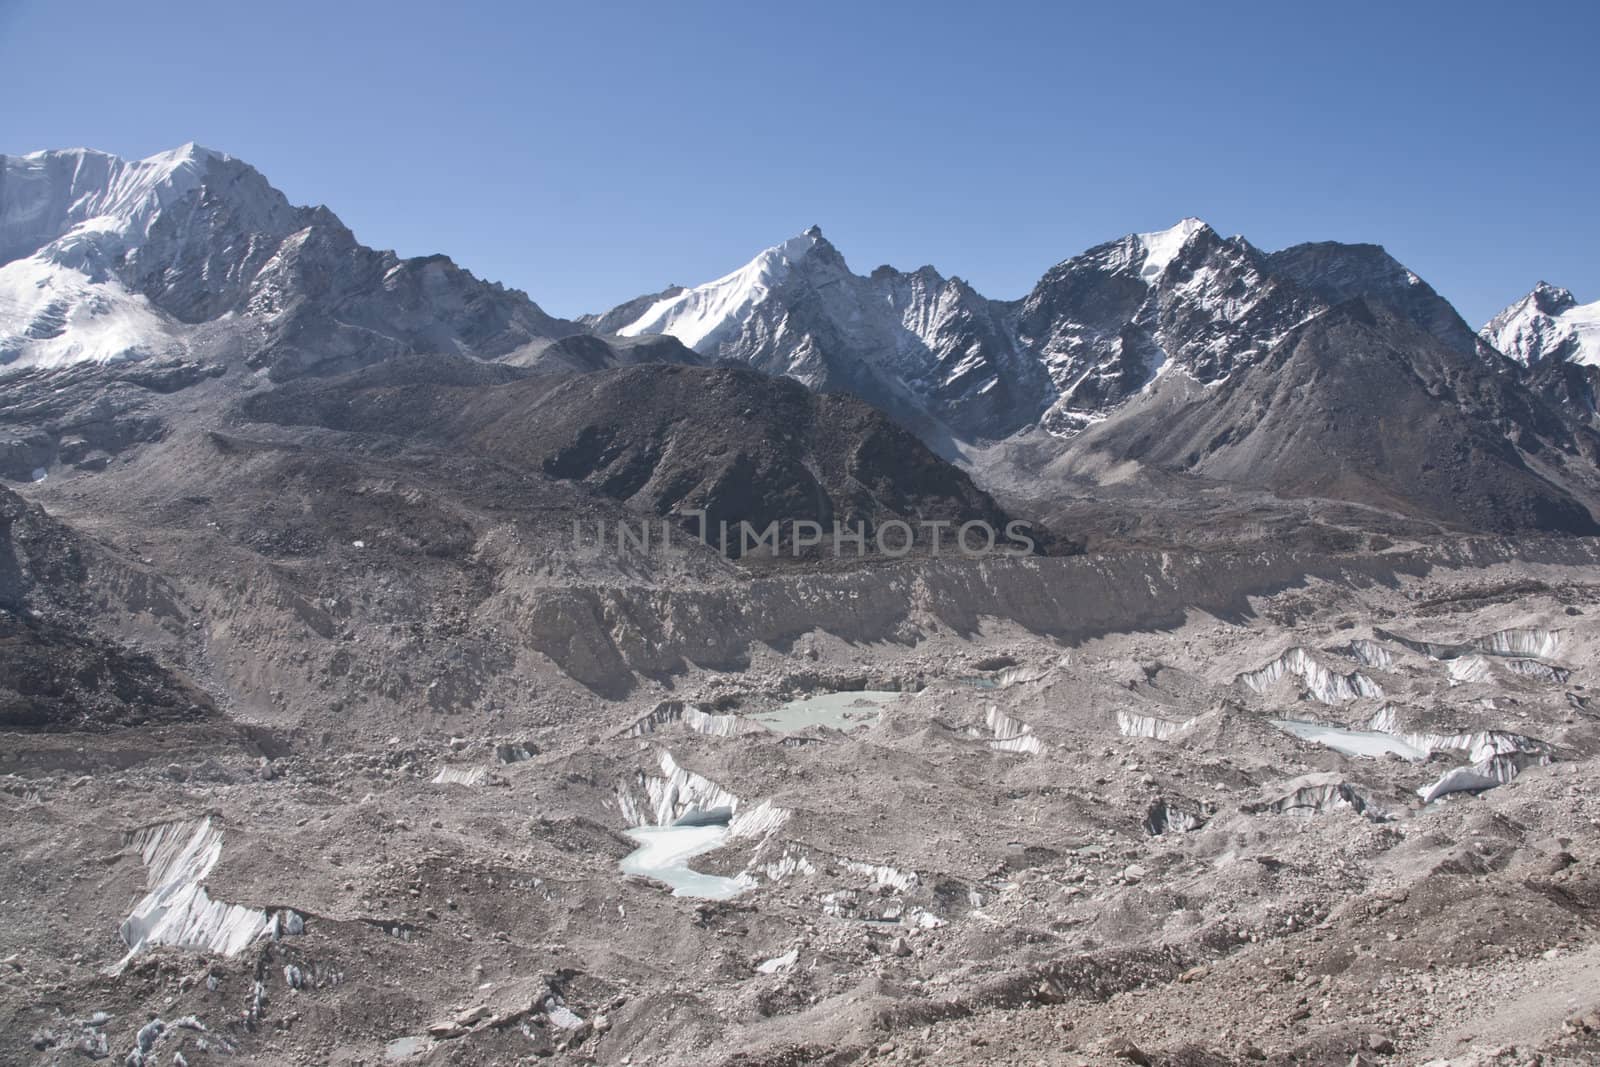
(671, 440)
(56, 672)
(1363, 406)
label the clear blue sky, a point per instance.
(589, 152)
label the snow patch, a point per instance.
(461, 776)
(1161, 247)
(779, 963)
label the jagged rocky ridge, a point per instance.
(1323, 371)
(1094, 331)
(192, 252)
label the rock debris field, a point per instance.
(1353, 823)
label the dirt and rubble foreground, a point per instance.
(935, 891)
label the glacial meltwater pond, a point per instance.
(664, 853)
(836, 711)
(1352, 742)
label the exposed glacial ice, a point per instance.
(1323, 684)
(1487, 773)
(1132, 724)
(1384, 736)
(1318, 794)
(883, 876)
(1011, 735)
(1519, 641)
(1164, 817)
(1370, 653)
(1494, 756)
(1532, 668)
(1522, 642)
(461, 776)
(670, 712)
(1477, 667)
(1010, 676)
(177, 910)
(683, 815)
(676, 795)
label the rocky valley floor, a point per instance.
(1345, 819)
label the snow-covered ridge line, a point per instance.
(1163, 246)
(698, 316)
(55, 194)
(1547, 324)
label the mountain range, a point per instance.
(1321, 371)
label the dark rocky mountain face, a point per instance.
(57, 671)
(1361, 405)
(668, 440)
(1338, 272)
(1107, 322)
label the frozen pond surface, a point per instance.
(837, 711)
(1352, 742)
(403, 1048)
(664, 853)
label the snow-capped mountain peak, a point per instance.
(700, 316)
(1161, 247)
(1546, 325)
(105, 259)
(47, 196)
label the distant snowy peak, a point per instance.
(916, 344)
(1547, 325)
(77, 230)
(104, 259)
(1161, 247)
(46, 196)
(702, 316)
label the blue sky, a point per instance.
(589, 152)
